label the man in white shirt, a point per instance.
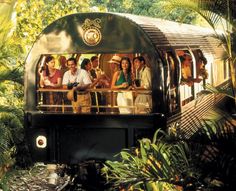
(78, 80)
(143, 101)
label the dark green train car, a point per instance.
(57, 135)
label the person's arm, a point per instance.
(86, 81)
(146, 80)
(41, 82)
(65, 80)
(58, 84)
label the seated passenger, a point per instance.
(143, 101)
(79, 81)
(51, 77)
(122, 80)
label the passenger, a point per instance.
(50, 77)
(186, 70)
(122, 80)
(86, 65)
(98, 98)
(97, 72)
(114, 64)
(78, 80)
(201, 69)
(143, 101)
(62, 63)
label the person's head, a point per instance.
(186, 59)
(86, 64)
(125, 64)
(49, 64)
(62, 61)
(139, 62)
(72, 64)
(94, 61)
(114, 63)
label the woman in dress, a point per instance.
(122, 80)
(51, 78)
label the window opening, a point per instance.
(81, 83)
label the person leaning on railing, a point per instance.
(143, 101)
(50, 77)
(79, 82)
(122, 80)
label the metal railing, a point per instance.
(55, 100)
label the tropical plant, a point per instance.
(217, 159)
(11, 90)
(149, 8)
(33, 17)
(158, 165)
(206, 161)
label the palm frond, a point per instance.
(11, 110)
(15, 75)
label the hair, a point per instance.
(47, 60)
(84, 63)
(93, 58)
(204, 60)
(72, 59)
(62, 60)
(140, 58)
(184, 57)
(129, 67)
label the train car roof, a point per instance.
(122, 33)
(165, 33)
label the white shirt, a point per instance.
(81, 76)
(145, 76)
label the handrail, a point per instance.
(110, 100)
(95, 90)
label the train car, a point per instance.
(57, 134)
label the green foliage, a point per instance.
(206, 161)
(144, 7)
(33, 16)
(158, 163)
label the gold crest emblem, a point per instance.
(91, 32)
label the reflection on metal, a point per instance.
(91, 32)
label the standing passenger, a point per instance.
(122, 80)
(50, 78)
(143, 101)
(114, 64)
(78, 79)
(62, 63)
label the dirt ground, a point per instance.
(34, 179)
